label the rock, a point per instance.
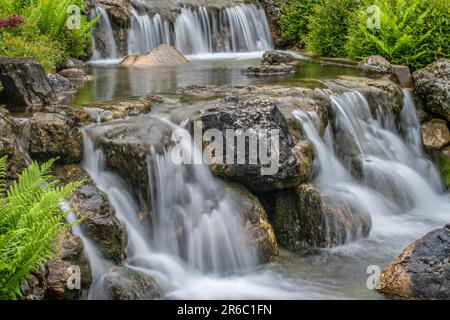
(53, 135)
(60, 84)
(161, 55)
(277, 58)
(304, 153)
(25, 82)
(250, 114)
(125, 284)
(402, 76)
(259, 231)
(78, 115)
(10, 146)
(380, 93)
(128, 144)
(71, 254)
(107, 111)
(435, 135)
(72, 63)
(269, 70)
(308, 217)
(375, 65)
(99, 217)
(75, 75)
(422, 271)
(433, 86)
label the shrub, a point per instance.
(294, 22)
(413, 33)
(329, 25)
(31, 219)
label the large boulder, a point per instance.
(435, 135)
(422, 271)
(25, 83)
(10, 146)
(53, 135)
(60, 84)
(306, 216)
(433, 86)
(98, 216)
(258, 230)
(251, 114)
(161, 55)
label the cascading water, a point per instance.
(195, 246)
(242, 28)
(105, 47)
(390, 176)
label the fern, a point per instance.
(31, 219)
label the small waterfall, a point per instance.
(242, 28)
(364, 159)
(105, 47)
(194, 247)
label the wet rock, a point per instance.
(60, 84)
(99, 217)
(78, 115)
(422, 271)
(9, 146)
(308, 217)
(70, 258)
(259, 231)
(269, 70)
(126, 284)
(443, 162)
(402, 76)
(435, 135)
(127, 146)
(276, 58)
(375, 65)
(380, 93)
(304, 153)
(72, 63)
(25, 83)
(161, 55)
(251, 114)
(52, 136)
(433, 86)
(74, 74)
(107, 111)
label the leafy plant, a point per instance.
(413, 32)
(31, 219)
(294, 22)
(329, 25)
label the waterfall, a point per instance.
(105, 47)
(242, 28)
(194, 247)
(363, 158)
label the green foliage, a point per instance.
(31, 219)
(329, 26)
(46, 30)
(413, 32)
(294, 22)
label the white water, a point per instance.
(239, 29)
(194, 247)
(397, 185)
(109, 48)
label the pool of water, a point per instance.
(112, 81)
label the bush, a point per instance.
(413, 33)
(329, 25)
(294, 22)
(46, 30)
(31, 219)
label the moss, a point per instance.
(444, 168)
